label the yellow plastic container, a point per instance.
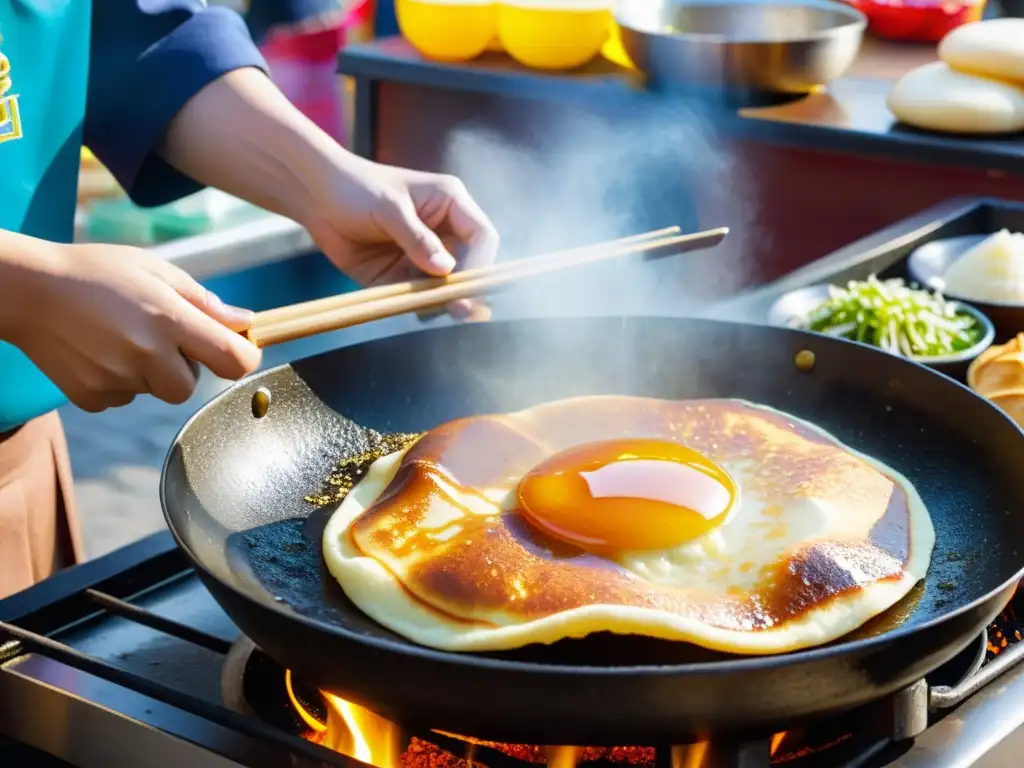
(613, 50)
(448, 30)
(554, 34)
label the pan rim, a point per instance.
(412, 650)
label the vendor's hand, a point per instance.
(112, 322)
(381, 224)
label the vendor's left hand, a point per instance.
(381, 224)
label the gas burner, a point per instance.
(254, 685)
(124, 656)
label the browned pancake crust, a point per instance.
(502, 563)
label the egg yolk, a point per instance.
(627, 495)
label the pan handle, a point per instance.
(945, 697)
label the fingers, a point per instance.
(459, 215)
(470, 311)
(160, 370)
(208, 335)
(136, 332)
(207, 302)
(461, 309)
(169, 376)
(96, 402)
(469, 224)
(208, 342)
(235, 318)
(172, 379)
(420, 243)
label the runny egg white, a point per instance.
(717, 522)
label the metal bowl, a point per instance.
(790, 308)
(786, 47)
(928, 264)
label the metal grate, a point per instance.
(117, 585)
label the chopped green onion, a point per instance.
(895, 317)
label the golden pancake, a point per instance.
(716, 522)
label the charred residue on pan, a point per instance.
(351, 469)
(285, 558)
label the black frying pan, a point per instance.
(233, 489)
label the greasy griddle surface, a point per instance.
(271, 535)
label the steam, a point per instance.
(571, 179)
(577, 179)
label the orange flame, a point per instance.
(562, 757)
(360, 734)
(689, 755)
(776, 742)
(314, 725)
(695, 755)
(352, 731)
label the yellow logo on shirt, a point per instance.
(10, 115)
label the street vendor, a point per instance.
(170, 95)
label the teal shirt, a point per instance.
(46, 48)
(111, 72)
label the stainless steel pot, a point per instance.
(775, 47)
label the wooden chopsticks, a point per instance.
(276, 326)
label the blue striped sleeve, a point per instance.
(148, 58)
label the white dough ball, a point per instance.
(937, 98)
(993, 48)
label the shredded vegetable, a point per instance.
(895, 317)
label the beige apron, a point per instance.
(39, 532)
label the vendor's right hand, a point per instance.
(109, 322)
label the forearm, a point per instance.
(240, 134)
(24, 264)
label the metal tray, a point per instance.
(883, 253)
